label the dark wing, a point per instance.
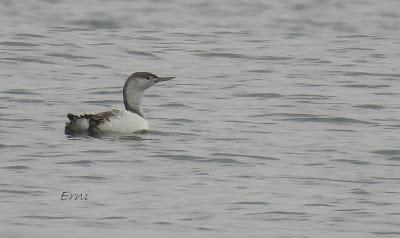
(94, 120)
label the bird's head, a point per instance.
(144, 80)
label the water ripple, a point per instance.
(100, 66)
(277, 213)
(310, 96)
(290, 115)
(68, 56)
(49, 217)
(96, 23)
(77, 162)
(88, 177)
(12, 146)
(223, 55)
(387, 152)
(27, 60)
(260, 95)
(20, 91)
(13, 43)
(16, 167)
(331, 120)
(252, 203)
(365, 86)
(352, 161)
(24, 35)
(103, 102)
(371, 106)
(244, 156)
(140, 53)
(25, 192)
(241, 56)
(321, 179)
(359, 73)
(113, 218)
(190, 158)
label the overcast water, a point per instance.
(283, 119)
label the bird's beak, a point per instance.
(164, 79)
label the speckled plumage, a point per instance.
(117, 121)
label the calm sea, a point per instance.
(283, 119)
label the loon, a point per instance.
(130, 120)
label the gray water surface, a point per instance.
(282, 121)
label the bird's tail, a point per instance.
(76, 124)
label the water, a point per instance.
(283, 119)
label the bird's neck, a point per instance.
(133, 98)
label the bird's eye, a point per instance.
(148, 78)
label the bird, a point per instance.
(130, 120)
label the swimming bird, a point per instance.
(130, 120)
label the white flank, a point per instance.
(124, 122)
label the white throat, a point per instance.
(133, 97)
